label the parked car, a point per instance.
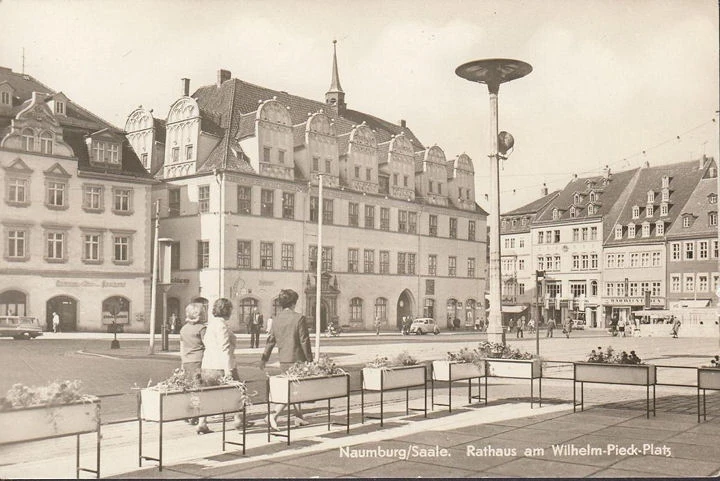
(20, 327)
(423, 325)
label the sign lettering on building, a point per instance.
(634, 301)
(65, 283)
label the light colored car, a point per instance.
(20, 327)
(423, 325)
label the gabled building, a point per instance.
(635, 261)
(74, 216)
(402, 234)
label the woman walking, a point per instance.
(290, 334)
(220, 342)
(192, 349)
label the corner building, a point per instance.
(239, 196)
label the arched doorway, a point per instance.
(66, 308)
(452, 310)
(116, 308)
(470, 314)
(13, 303)
(405, 307)
(244, 309)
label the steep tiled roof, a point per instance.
(683, 178)
(534, 206)
(699, 206)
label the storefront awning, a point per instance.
(690, 304)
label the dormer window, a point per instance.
(591, 210)
(649, 210)
(573, 212)
(593, 197)
(635, 212)
(556, 214)
(576, 199)
(5, 98)
(665, 182)
(659, 228)
(646, 229)
(631, 231)
(60, 107)
(618, 232)
(106, 152)
(712, 198)
(663, 209)
(523, 221)
(650, 197)
(712, 218)
(666, 195)
(686, 221)
(28, 140)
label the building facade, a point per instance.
(75, 220)
(240, 200)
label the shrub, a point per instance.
(55, 393)
(609, 356)
(323, 367)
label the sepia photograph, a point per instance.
(381, 239)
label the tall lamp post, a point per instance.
(318, 269)
(493, 72)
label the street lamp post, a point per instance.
(318, 269)
(494, 72)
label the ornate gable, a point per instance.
(57, 170)
(17, 166)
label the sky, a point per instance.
(613, 83)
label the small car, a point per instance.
(20, 327)
(423, 325)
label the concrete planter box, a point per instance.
(174, 405)
(285, 390)
(708, 378)
(456, 371)
(514, 368)
(378, 379)
(631, 374)
(44, 422)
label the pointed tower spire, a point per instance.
(335, 96)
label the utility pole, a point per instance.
(154, 284)
(539, 283)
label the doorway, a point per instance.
(323, 317)
(66, 308)
(405, 307)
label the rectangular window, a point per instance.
(281, 156)
(121, 200)
(353, 262)
(368, 174)
(593, 261)
(471, 231)
(17, 191)
(328, 166)
(412, 222)
(645, 259)
(55, 245)
(244, 254)
(656, 259)
(369, 216)
(689, 282)
(656, 286)
(316, 163)
(203, 254)
(327, 259)
(121, 249)
(288, 205)
(675, 283)
(675, 251)
(633, 289)
(175, 256)
(610, 261)
(92, 198)
(266, 154)
(541, 237)
(91, 247)
(621, 261)
(584, 233)
(56, 194)
(541, 263)
(175, 152)
(369, 258)
(287, 257)
(402, 220)
(395, 179)
(575, 262)
(432, 225)
(353, 214)
(405, 181)
(432, 265)
(452, 266)
(267, 202)
(471, 267)
(703, 251)
(593, 233)
(411, 263)
(384, 218)
(401, 263)
(144, 160)
(204, 199)
(357, 171)
(634, 259)
(715, 249)
(244, 198)
(556, 263)
(384, 262)
(174, 202)
(453, 228)
(16, 244)
(189, 152)
(702, 283)
(327, 211)
(689, 251)
(521, 264)
(576, 234)
(314, 209)
(266, 255)
(577, 289)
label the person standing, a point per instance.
(289, 332)
(56, 322)
(550, 327)
(378, 324)
(219, 358)
(192, 349)
(255, 324)
(173, 324)
(676, 326)
(520, 328)
(567, 327)
(269, 325)
(531, 325)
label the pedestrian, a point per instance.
(378, 323)
(456, 323)
(269, 325)
(173, 323)
(219, 358)
(531, 325)
(567, 327)
(511, 325)
(255, 324)
(477, 323)
(550, 327)
(520, 328)
(676, 326)
(56, 322)
(192, 349)
(290, 333)
(614, 326)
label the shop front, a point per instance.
(624, 308)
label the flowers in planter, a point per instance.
(322, 367)
(402, 359)
(180, 382)
(55, 393)
(463, 355)
(609, 356)
(714, 362)
(496, 350)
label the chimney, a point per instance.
(403, 124)
(185, 87)
(544, 190)
(574, 177)
(646, 165)
(223, 76)
(702, 162)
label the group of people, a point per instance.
(207, 351)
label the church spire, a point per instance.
(335, 96)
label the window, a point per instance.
(618, 232)
(121, 248)
(266, 255)
(675, 251)
(541, 237)
(645, 259)
(28, 140)
(266, 154)
(471, 230)
(649, 210)
(573, 211)
(631, 231)
(430, 186)
(287, 257)
(381, 309)
(353, 214)
(204, 199)
(175, 256)
(521, 288)
(244, 257)
(633, 289)
(243, 199)
(411, 263)
(663, 209)
(578, 289)
(593, 261)
(267, 202)
(471, 267)
(316, 163)
(384, 262)
(144, 160)
(369, 258)
(656, 287)
(703, 252)
(712, 198)
(576, 199)
(401, 263)
(17, 190)
(432, 225)
(576, 234)
(175, 152)
(368, 174)
(384, 218)
(46, 143)
(453, 228)
(369, 216)
(521, 243)
(288, 205)
(328, 166)
(189, 152)
(452, 266)
(584, 264)
(591, 209)
(17, 241)
(91, 247)
(689, 282)
(610, 261)
(327, 211)
(635, 212)
(357, 171)
(313, 209)
(712, 218)
(412, 222)
(593, 233)
(665, 182)
(432, 264)
(402, 220)
(557, 236)
(650, 197)
(56, 194)
(353, 260)
(55, 247)
(621, 260)
(656, 259)
(702, 283)
(674, 282)
(593, 197)
(327, 259)
(122, 201)
(556, 263)
(174, 202)
(646, 230)
(356, 309)
(203, 254)
(686, 221)
(689, 251)
(113, 154)
(405, 181)
(714, 252)
(555, 214)
(585, 233)
(5, 98)
(634, 259)
(593, 288)
(92, 197)
(281, 156)
(659, 228)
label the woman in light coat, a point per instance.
(192, 349)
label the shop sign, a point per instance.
(179, 280)
(85, 283)
(633, 301)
